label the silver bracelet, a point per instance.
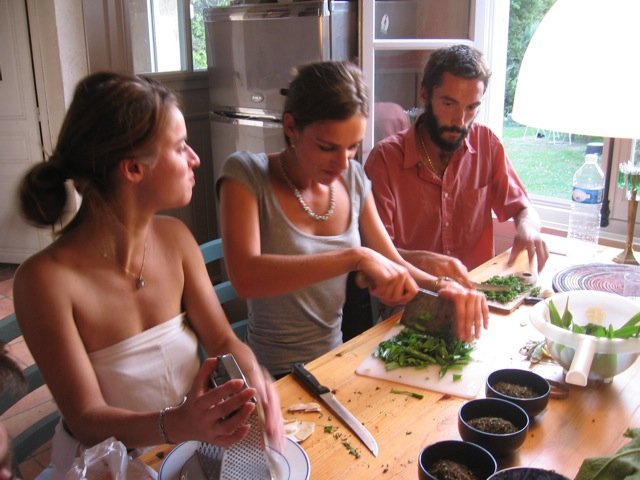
(161, 427)
(439, 280)
(163, 432)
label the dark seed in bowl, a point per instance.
(493, 425)
(445, 469)
(515, 390)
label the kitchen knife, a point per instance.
(363, 281)
(485, 287)
(426, 312)
(429, 313)
(306, 378)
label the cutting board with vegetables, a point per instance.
(471, 381)
(520, 286)
(507, 307)
(522, 268)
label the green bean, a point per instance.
(413, 348)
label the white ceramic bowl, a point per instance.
(585, 357)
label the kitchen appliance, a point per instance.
(252, 51)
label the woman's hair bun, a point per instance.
(42, 194)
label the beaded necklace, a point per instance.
(305, 206)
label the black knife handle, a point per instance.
(308, 380)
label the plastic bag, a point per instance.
(109, 460)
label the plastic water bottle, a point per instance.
(586, 201)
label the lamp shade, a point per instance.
(581, 71)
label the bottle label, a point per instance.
(586, 195)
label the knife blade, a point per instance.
(311, 383)
(485, 287)
(429, 313)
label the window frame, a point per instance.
(489, 24)
(109, 48)
(184, 34)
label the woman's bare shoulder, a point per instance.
(50, 272)
(173, 233)
(171, 228)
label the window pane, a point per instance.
(155, 28)
(397, 89)
(403, 19)
(546, 160)
(198, 43)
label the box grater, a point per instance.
(247, 459)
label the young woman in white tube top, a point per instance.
(114, 308)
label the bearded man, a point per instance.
(438, 184)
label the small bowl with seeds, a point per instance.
(522, 387)
(526, 473)
(493, 423)
(455, 460)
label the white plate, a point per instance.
(295, 460)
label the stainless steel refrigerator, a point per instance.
(252, 50)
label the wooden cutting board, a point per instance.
(472, 382)
(499, 267)
(506, 308)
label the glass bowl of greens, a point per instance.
(594, 335)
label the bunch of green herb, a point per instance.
(413, 348)
(628, 330)
(623, 465)
(516, 287)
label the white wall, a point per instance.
(59, 59)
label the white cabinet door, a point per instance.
(20, 141)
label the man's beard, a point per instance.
(435, 131)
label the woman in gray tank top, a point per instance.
(296, 222)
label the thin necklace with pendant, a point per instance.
(301, 201)
(426, 155)
(140, 281)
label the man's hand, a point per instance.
(438, 265)
(528, 238)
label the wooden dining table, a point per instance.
(588, 422)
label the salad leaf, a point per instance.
(630, 329)
(554, 315)
(624, 465)
(567, 317)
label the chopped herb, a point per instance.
(328, 429)
(352, 451)
(412, 348)
(457, 377)
(408, 393)
(516, 286)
